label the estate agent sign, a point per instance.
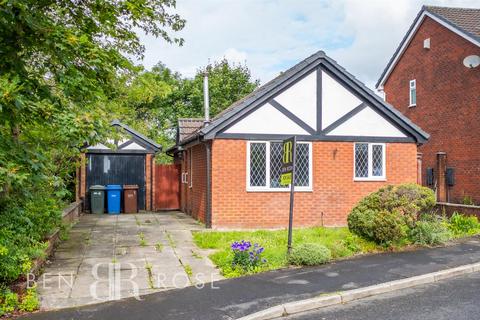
(287, 162)
(287, 177)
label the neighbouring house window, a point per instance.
(264, 161)
(413, 93)
(369, 161)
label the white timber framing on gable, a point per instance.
(318, 106)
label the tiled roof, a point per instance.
(188, 126)
(261, 94)
(466, 19)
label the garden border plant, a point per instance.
(389, 219)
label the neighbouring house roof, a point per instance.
(187, 127)
(273, 87)
(463, 21)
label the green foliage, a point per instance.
(30, 300)
(385, 215)
(62, 62)
(153, 101)
(461, 224)
(388, 227)
(430, 232)
(309, 254)
(339, 240)
(8, 301)
(468, 200)
(361, 222)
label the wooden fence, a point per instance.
(167, 187)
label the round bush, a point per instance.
(360, 222)
(385, 215)
(309, 254)
(389, 227)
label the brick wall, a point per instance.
(448, 102)
(334, 191)
(193, 194)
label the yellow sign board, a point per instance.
(287, 162)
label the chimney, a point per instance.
(206, 102)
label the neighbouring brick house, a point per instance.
(350, 143)
(426, 80)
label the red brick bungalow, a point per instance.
(429, 82)
(350, 143)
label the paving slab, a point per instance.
(234, 298)
(105, 253)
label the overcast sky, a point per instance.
(272, 35)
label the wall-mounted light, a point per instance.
(472, 61)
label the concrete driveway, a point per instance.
(109, 257)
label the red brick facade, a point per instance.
(334, 191)
(448, 102)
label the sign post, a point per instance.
(288, 178)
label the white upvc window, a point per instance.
(369, 162)
(413, 93)
(264, 161)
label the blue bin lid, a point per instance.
(114, 187)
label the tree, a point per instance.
(61, 62)
(227, 84)
(153, 101)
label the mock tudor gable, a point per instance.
(315, 100)
(349, 143)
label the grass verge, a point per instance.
(340, 241)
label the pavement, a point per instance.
(235, 298)
(109, 257)
(449, 299)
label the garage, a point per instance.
(127, 161)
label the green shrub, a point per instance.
(430, 232)
(461, 224)
(385, 215)
(389, 227)
(360, 222)
(9, 301)
(309, 254)
(30, 300)
(24, 225)
(468, 200)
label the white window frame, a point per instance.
(267, 188)
(183, 177)
(371, 177)
(412, 85)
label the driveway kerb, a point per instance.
(360, 293)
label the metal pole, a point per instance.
(292, 193)
(206, 99)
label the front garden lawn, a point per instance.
(340, 241)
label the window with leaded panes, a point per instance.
(369, 161)
(265, 162)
